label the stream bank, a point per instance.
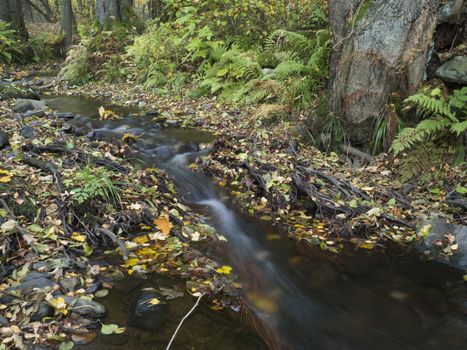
(275, 273)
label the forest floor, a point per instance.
(51, 233)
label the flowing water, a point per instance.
(301, 297)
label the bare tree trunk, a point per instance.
(11, 11)
(112, 10)
(66, 21)
(380, 47)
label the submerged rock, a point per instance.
(23, 106)
(435, 241)
(147, 315)
(83, 306)
(454, 70)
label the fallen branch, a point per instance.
(44, 166)
(183, 320)
(116, 241)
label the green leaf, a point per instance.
(461, 190)
(109, 328)
(66, 345)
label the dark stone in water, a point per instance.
(3, 139)
(188, 148)
(152, 113)
(23, 106)
(147, 316)
(36, 113)
(161, 153)
(27, 132)
(439, 228)
(66, 115)
(84, 307)
(44, 310)
(70, 284)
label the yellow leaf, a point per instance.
(226, 270)
(154, 301)
(5, 176)
(59, 305)
(132, 262)
(77, 237)
(163, 224)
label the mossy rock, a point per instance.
(9, 91)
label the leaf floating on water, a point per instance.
(154, 301)
(163, 224)
(424, 230)
(111, 329)
(263, 303)
(66, 345)
(225, 270)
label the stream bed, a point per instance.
(299, 296)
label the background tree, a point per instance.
(66, 21)
(11, 11)
(112, 10)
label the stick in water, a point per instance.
(183, 320)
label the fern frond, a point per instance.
(459, 127)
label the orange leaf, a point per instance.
(163, 224)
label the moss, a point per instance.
(362, 10)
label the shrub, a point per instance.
(10, 45)
(76, 69)
(46, 46)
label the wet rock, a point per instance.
(162, 153)
(26, 288)
(84, 307)
(66, 115)
(188, 148)
(3, 139)
(152, 113)
(454, 70)
(9, 91)
(27, 132)
(3, 321)
(147, 316)
(70, 284)
(36, 113)
(23, 106)
(436, 235)
(34, 275)
(44, 310)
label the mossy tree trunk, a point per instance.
(108, 11)
(380, 47)
(11, 11)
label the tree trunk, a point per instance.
(380, 47)
(66, 22)
(108, 11)
(11, 11)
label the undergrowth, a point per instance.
(10, 45)
(440, 136)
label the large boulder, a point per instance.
(454, 70)
(437, 243)
(146, 313)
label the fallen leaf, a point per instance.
(163, 224)
(226, 270)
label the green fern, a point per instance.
(442, 116)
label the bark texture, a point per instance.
(112, 10)
(380, 47)
(66, 21)
(11, 11)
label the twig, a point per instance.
(116, 241)
(183, 320)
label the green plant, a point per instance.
(10, 45)
(113, 70)
(76, 69)
(90, 183)
(44, 45)
(442, 116)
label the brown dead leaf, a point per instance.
(163, 224)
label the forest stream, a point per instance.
(299, 297)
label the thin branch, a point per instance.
(183, 320)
